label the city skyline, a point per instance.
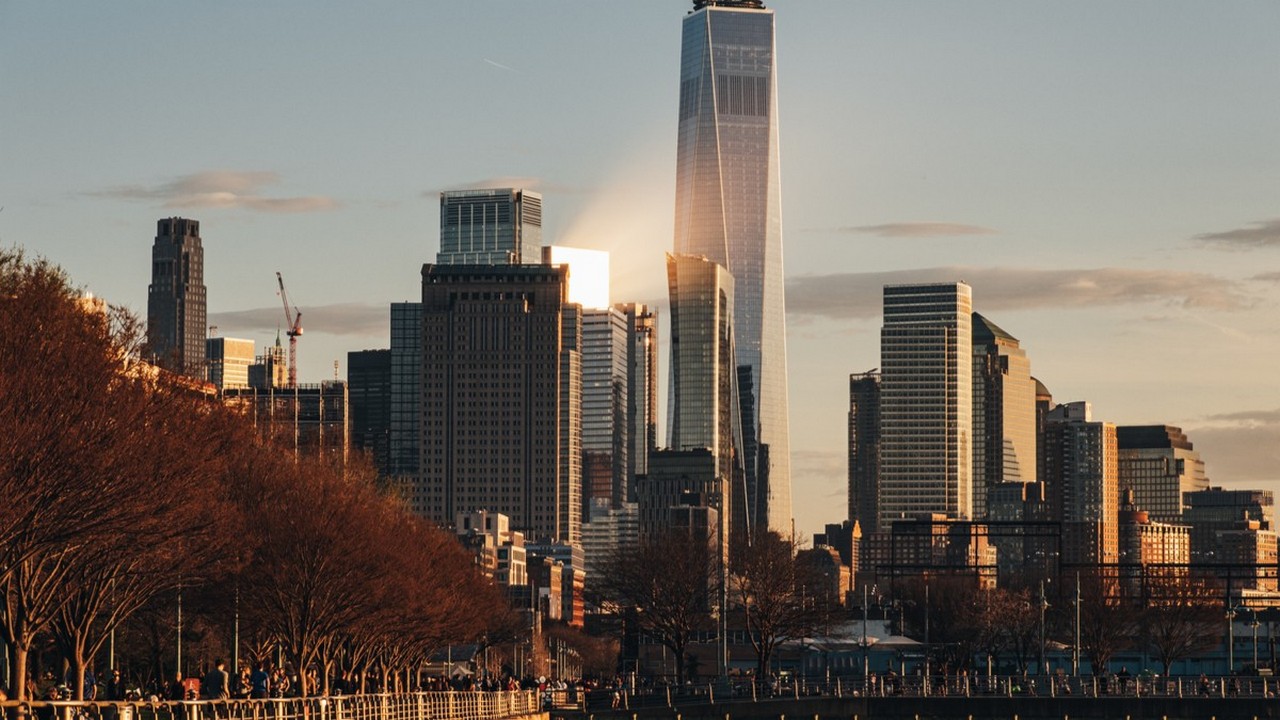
(1088, 173)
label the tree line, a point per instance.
(128, 492)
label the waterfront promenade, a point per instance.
(442, 705)
(990, 698)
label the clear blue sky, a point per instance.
(1105, 175)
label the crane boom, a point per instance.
(293, 321)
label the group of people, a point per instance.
(258, 682)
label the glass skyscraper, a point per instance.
(728, 209)
(926, 402)
(490, 227)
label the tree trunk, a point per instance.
(18, 681)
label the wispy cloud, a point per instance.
(1250, 416)
(859, 295)
(1273, 277)
(1265, 233)
(910, 230)
(337, 319)
(221, 189)
(499, 65)
(524, 182)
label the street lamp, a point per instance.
(1044, 605)
(1231, 645)
(1075, 650)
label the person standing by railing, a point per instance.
(216, 681)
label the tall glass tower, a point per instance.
(728, 209)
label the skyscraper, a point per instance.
(500, 411)
(490, 227)
(703, 410)
(1004, 412)
(369, 389)
(864, 450)
(406, 389)
(176, 311)
(642, 390)
(926, 402)
(728, 209)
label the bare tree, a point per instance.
(1108, 623)
(1182, 619)
(670, 581)
(780, 598)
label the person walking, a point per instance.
(216, 682)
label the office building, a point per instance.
(369, 387)
(490, 227)
(926, 402)
(1004, 412)
(229, 360)
(1160, 465)
(1152, 554)
(606, 443)
(642, 390)
(606, 530)
(406, 390)
(176, 299)
(864, 450)
(728, 209)
(703, 410)
(1081, 474)
(500, 413)
(588, 274)
(1234, 530)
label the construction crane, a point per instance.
(293, 320)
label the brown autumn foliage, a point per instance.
(123, 484)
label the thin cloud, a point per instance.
(221, 189)
(911, 230)
(1265, 233)
(499, 65)
(1250, 416)
(1273, 277)
(859, 295)
(338, 319)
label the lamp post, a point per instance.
(1044, 605)
(1231, 642)
(1075, 650)
(1254, 624)
(866, 660)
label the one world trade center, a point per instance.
(728, 208)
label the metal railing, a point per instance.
(915, 686)
(442, 705)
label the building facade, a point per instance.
(728, 209)
(606, 441)
(703, 410)
(642, 390)
(406, 390)
(500, 415)
(490, 227)
(1004, 412)
(864, 450)
(1160, 465)
(926, 402)
(229, 360)
(176, 298)
(369, 386)
(1082, 478)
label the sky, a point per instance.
(1106, 176)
